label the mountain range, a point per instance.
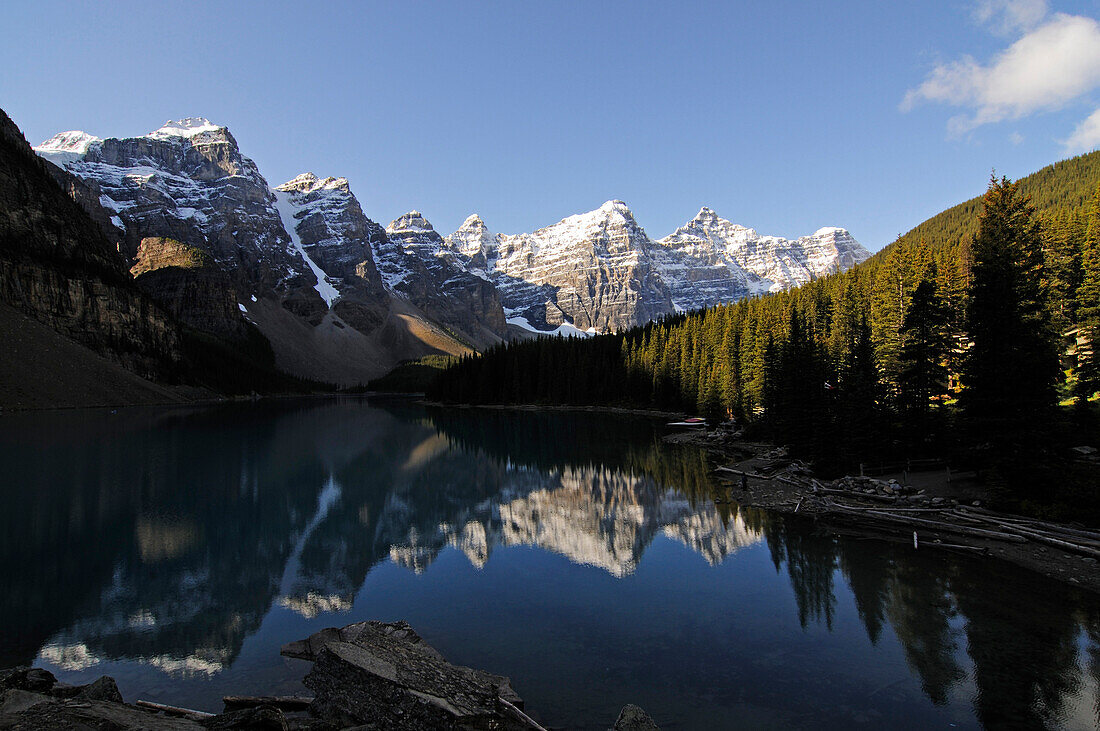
(342, 299)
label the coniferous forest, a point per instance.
(968, 339)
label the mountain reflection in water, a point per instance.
(176, 549)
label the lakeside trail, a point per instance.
(932, 509)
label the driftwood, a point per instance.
(740, 473)
(1088, 535)
(175, 710)
(861, 496)
(1064, 545)
(892, 510)
(1025, 528)
(519, 716)
(957, 546)
(282, 702)
(939, 525)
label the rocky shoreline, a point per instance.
(927, 507)
(368, 675)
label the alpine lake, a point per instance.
(176, 549)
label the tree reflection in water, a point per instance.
(166, 537)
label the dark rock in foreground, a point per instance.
(33, 700)
(385, 675)
(633, 718)
(370, 675)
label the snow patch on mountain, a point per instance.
(287, 211)
(186, 128)
(66, 146)
(566, 329)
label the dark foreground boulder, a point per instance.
(370, 675)
(384, 675)
(633, 718)
(31, 699)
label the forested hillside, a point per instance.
(851, 364)
(1067, 185)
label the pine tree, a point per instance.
(1011, 371)
(1088, 308)
(923, 353)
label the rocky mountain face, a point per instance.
(188, 283)
(594, 270)
(188, 181)
(600, 271)
(342, 299)
(755, 263)
(58, 267)
(299, 258)
(416, 264)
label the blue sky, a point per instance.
(783, 116)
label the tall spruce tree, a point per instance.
(1011, 371)
(924, 351)
(1088, 308)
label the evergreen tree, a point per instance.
(1088, 308)
(1011, 371)
(858, 400)
(923, 354)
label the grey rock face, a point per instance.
(594, 270)
(335, 232)
(633, 718)
(338, 242)
(189, 181)
(415, 264)
(308, 246)
(754, 263)
(59, 267)
(600, 271)
(299, 258)
(385, 675)
(188, 283)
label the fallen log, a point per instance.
(890, 510)
(958, 547)
(859, 495)
(1085, 546)
(282, 702)
(1065, 545)
(1056, 527)
(520, 716)
(946, 527)
(174, 710)
(739, 473)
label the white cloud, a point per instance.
(1055, 63)
(1087, 135)
(1016, 138)
(1010, 16)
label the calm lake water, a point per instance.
(176, 550)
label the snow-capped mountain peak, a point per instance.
(308, 182)
(411, 222)
(186, 128)
(705, 215)
(66, 146)
(72, 141)
(473, 221)
(770, 262)
(473, 239)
